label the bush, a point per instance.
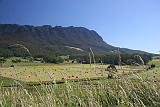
(16, 61)
(2, 60)
(49, 59)
(112, 70)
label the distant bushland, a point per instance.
(116, 59)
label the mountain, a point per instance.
(48, 40)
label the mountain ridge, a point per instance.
(53, 40)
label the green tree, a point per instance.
(2, 60)
(112, 70)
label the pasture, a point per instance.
(153, 74)
(121, 92)
(156, 62)
(60, 71)
(23, 60)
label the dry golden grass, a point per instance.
(59, 72)
(156, 60)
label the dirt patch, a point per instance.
(79, 49)
(156, 60)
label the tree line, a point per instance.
(116, 59)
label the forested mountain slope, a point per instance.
(48, 40)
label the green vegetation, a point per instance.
(18, 61)
(2, 60)
(52, 41)
(102, 93)
(84, 85)
(53, 59)
(157, 63)
(49, 72)
(84, 80)
(112, 70)
(152, 75)
(156, 57)
(4, 81)
(8, 82)
(116, 59)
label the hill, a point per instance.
(48, 40)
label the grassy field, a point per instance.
(36, 88)
(153, 74)
(156, 57)
(36, 71)
(157, 63)
(23, 60)
(59, 72)
(102, 93)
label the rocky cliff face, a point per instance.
(53, 40)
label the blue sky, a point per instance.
(133, 24)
